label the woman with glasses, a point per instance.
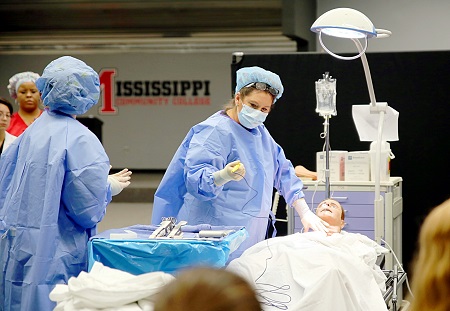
(6, 110)
(23, 90)
(226, 168)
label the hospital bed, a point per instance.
(312, 272)
(139, 255)
(394, 283)
(395, 279)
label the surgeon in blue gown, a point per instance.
(227, 166)
(54, 189)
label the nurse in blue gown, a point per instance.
(54, 189)
(227, 166)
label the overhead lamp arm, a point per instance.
(352, 24)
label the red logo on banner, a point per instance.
(150, 93)
(107, 91)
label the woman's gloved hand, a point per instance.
(119, 181)
(308, 218)
(232, 171)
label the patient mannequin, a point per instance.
(332, 212)
(315, 272)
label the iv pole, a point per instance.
(327, 156)
(326, 107)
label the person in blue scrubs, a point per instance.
(227, 166)
(54, 189)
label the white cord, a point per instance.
(400, 265)
(396, 259)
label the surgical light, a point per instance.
(351, 24)
(344, 23)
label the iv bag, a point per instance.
(326, 96)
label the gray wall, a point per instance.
(146, 136)
(416, 25)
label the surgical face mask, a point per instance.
(251, 118)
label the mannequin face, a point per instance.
(28, 97)
(331, 211)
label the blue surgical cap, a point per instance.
(247, 75)
(68, 85)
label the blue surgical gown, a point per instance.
(53, 192)
(187, 190)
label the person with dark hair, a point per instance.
(54, 189)
(6, 110)
(207, 289)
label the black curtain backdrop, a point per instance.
(416, 84)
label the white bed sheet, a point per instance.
(109, 289)
(311, 271)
